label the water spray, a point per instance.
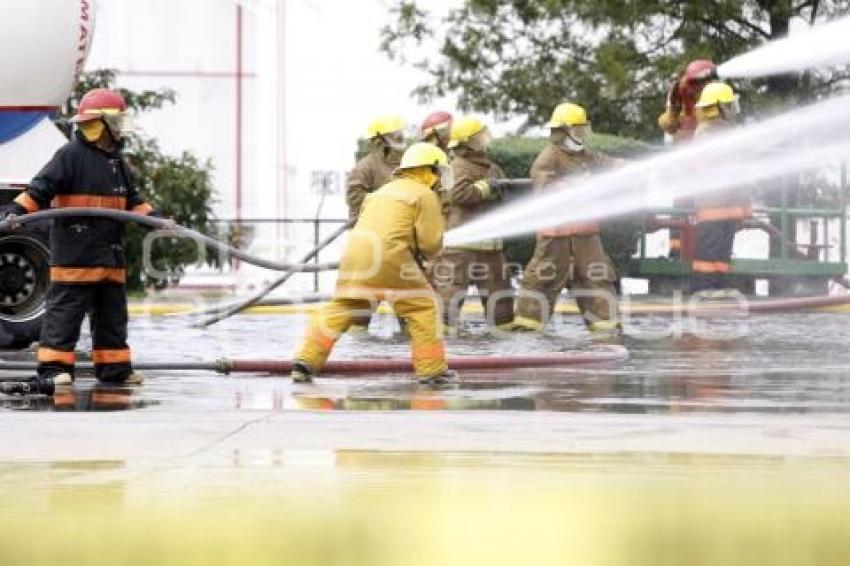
(798, 140)
(757, 152)
(818, 46)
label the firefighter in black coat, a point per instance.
(87, 269)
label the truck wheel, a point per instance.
(24, 278)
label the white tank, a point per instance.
(44, 45)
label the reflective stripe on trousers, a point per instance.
(60, 274)
(700, 266)
(418, 311)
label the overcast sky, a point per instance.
(335, 82)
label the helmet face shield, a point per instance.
(480, 141)
(120, 124)
(395, 140)
(579, 133)
(730, 110)
(447, 179)
(443, 131)
(575, 137)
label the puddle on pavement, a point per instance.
(84, 396)
(779, 366)
(264, 504)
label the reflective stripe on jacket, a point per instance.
(85, 249)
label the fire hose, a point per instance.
(170, 228)
(369, 366)
(341, 368)
(221, 312)
(225, 311)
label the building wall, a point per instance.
(313, 79)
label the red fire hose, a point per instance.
(372, 366)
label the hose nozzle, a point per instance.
(707, 75)
(33, 386)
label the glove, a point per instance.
(9, 211)
(488, 189)
(500, 186)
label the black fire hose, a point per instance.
(229, 311)
(218, 366)
(177, 230)
(37, 385)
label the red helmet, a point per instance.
(99, 102)
(434, 120)
(697, 70)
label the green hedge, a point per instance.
(516, 154)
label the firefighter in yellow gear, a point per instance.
(399, 226)
(570, 255)
(385, 137)
(476, 191)
(718, 215)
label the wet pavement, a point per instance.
(726, 436)
(742, 382)
(761, 364)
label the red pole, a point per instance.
(283, 141)
(239, 73)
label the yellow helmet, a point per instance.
(423, 154)
(716, 93)
(464, 128)
(568, 114)
(385, 125)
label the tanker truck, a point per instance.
(46, 43)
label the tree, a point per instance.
(522, 57)
(180, 187)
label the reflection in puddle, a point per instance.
(417, 399)
(589, 391)
(779, 367)
(82, 397)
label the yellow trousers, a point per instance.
(417, 309)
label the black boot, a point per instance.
(34, 386)
(447, 378)
(301, 373)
